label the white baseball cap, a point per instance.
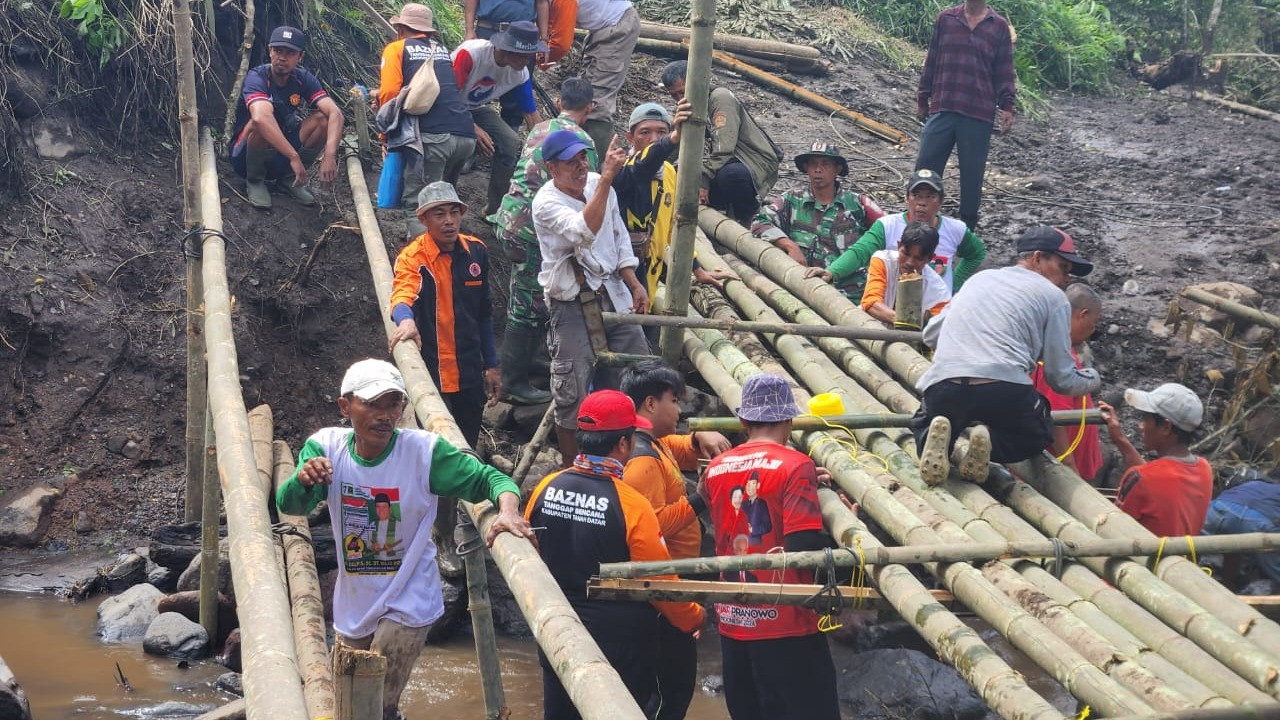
(1171, 401)
(368, 379)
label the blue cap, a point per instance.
(767, 399)
(290, 37)
(562, 145)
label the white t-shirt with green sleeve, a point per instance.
(382, 511)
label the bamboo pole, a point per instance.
(211, 499)
(233, 710)
(608, 358)
(1065, 418)
(1230, 307)
(360, 110)
(820, 296)
(246, 47)
(909, 302)
(261, 432)
(1003, 688)
(773, 62)
(307, 606)
(189, 150)
(530, 450)
(745, 593)
(1235, 106)
(730, 43)
(810, 98)
(949, 552)
(697, 89)
(592, 684)
(273, 688)
(761, 327)
(358, 678)
(495, 700)
(1270, 711)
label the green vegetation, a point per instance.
(96, 25)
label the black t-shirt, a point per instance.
(302, 88)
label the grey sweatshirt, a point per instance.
(999, 325)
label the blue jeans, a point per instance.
(971, 139)
(1229, 518)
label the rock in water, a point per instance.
(230, 683)
(128, 570)
(126, 616)
(891, 684)
(25, 520)
(13, 701)
(172, 635)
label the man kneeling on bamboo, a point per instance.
(384, 486)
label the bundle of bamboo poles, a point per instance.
(1122, 637)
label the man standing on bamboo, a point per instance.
(818, 223)
(377, 477)
(527, 314)
(968, 76)
(741, 162)
(658, 460)
(776, 663)
(587, 515)
(987, 342)
(271, 143)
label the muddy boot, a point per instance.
(934, 464)
(976, 462)
(447, 558)
(568, 446)
(300, 193)
(519, 346)
(601, 132)
(256, 163)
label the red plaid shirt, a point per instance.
(969, 72)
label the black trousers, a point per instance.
(1017, 416)
(677, 670)
(630, 646)
(789, 678)
(733, 192)
(467, 408)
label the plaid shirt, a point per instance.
(969, 72)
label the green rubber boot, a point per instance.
(518, 349)
(255, 176)
(301, 194)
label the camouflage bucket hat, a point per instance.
(822, 148)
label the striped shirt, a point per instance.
(969, 72)
(300, 89)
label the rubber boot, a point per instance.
(519, 346)
(601, 132)
(976, 462)
(934, 464)
(568, 443)
(300, 193)
(256, 163)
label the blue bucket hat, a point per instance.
(767, 399)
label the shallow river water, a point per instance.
(68, 674)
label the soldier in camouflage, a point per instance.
(527, 314)
(815, 225)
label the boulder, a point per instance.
(187, 604)
(190, 578)
(173, 635)
(128, 570)
(25, 520)
(527, 417)
(13, 701)
(455, 611)
(230, 657)
(125, 617)
(230, 683)
(507, 618)
(497, 415)
(165, 579)
(54, 139)
(891, 684)
(173, 546)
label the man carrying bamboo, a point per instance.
(271, 143)
(815, 225)
(527, 314)
(987, 342)
(376, 476)
(890, 267)
(741, 163)
(776, 663)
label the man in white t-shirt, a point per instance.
(384, 485)
(612, 30)
(485, 71)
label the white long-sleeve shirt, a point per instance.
(999, 325)
(563, 234)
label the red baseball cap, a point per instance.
(606, 410)
(1058, 242)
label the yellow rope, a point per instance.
(855, 450)
(1084, 714)
(1084, 406)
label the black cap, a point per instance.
(1058, 242)
(925, 176)
(289, 37)
(520, 37)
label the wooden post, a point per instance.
(495, 700)
(360, 109)
(189, 150)
(358, 676)
(211, 500)
(697, 88)
(530, 450)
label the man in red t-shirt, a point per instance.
(1086, 457)
(1169, 495)
(776, 663)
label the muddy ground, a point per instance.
(1161, 192)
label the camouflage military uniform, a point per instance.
(513, 224)
(823, 233)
